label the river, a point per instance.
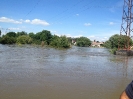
(32, 72)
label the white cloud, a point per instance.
(111, 23)
(34, 21)
(57, 34)
(21, 20)
(53, 31)
(68, 35)
(14, 28)
(27, 21)
(39, 22)
(8, 20)
(105, 38)
(92, 36)
(87, 24)
(97, 38)
(78, 36)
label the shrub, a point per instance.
(83, 42)
(24, 39)
(8, 40)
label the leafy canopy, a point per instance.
(83, 42)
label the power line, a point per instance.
(32, 8)
(91, 2)
(71, 8)
(67, 9)
(83, 8)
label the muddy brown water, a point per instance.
(77, 73)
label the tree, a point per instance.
(83, 42)
(114, 41)
(60, 42)
(32, 35)
(64, 42)
(123, 41)
(107, 44)
(21, 33)
(37, 36)
(46, 36)
(8, 40)
(118, 40)
(24, 39)
(11, 34)
(0, 32)
(55, 41)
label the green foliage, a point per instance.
(42, 38)
(113, 51)
(24, 39)
(32, 35)
(11, 34)
(118, 40)
(123, 41)
(37, 42)
(64, 42)
(60, 42)
(7, 40)
(83, 42)
(37, 36)
(114, 41)
(21, 33)
(46, 36)
(107, 44)
(0, 32)
(55, 41)
(70, 39)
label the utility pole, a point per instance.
(127, 20)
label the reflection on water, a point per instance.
(76, 73)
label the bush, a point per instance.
(83, 42)
(60, 42)
(24, 39)
(8, 40)
(113, 51)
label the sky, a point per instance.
(96, 19)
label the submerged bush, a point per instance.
(8, 40)
(83, 42)
(60, 42)
(24, 39)
(113, 51)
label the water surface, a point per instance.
(77, 73)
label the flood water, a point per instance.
(76, 73)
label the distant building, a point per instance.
(96, 43)
(73, 41)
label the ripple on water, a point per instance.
(76, 73)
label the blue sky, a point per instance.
(95, 19)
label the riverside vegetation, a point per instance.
(42, 38)
(118, 41)
(46, 38)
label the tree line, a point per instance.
(118, 41)
(46, 38)
(42, 38)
